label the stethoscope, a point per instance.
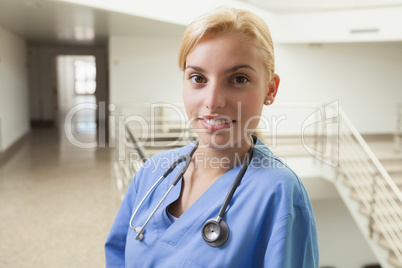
(215, 231)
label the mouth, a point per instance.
(217, 122)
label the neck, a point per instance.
(219, 161)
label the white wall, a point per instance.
(14, 111)
(365, 78)
(144, 69)
(341, 243)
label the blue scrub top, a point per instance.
(270, 219)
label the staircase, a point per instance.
(390, 157)
(377, 196)
(369, 184)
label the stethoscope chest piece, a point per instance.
(215, 232)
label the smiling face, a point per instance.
(224, 89)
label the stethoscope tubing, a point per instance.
(218, 221)
(187, 160)
(236, 183)
(153, 212)
(143, 199)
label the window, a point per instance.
(85, 76)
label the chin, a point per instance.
(218, 141)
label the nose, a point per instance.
(214, 97)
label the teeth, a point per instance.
(217, 122)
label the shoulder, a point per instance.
(270, 167)
(274, 180)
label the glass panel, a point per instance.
(85, 77)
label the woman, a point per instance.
(228, 64)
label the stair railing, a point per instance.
(129, 156)
(378, 193)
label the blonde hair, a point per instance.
(225, 20)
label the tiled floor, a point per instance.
(57, 202)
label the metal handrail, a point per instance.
(370, 154)
(362, 172)
(364, 191)
(142, 153)
(125, 167)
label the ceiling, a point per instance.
(295, 6)
(56, 22)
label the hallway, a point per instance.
(57, 203)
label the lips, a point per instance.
(216, 122)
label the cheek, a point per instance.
(189, 101)
(186, 92)
(252, 117)
(252, 109)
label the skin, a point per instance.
(221, 72)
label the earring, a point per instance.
(268, 102)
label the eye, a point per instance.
(240, 79)
(197, 79)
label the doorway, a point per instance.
(77, 87)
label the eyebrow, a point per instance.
(237, 67)
(195, 68)
(230, 70)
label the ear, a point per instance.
(272, 88)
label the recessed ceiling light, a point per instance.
(33, 4)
